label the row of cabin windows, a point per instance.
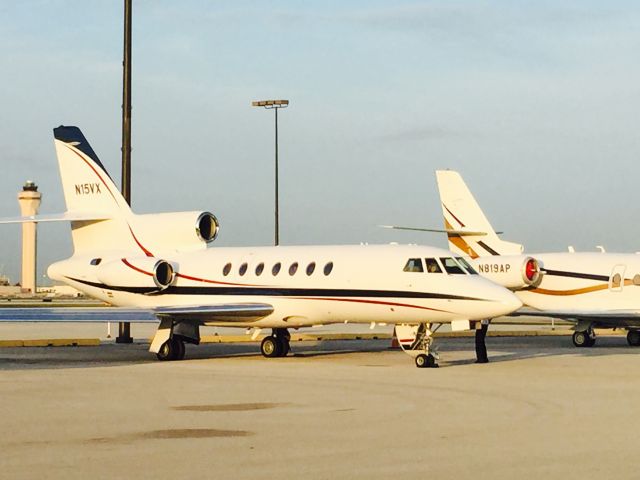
(455, 266)
(275, 270)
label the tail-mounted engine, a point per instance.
(514, 272)
(175, 231)
(145, 272)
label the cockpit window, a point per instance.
(432, 265)
(451, 266)
(414, 265)
(466, 265)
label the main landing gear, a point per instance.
(586, 338)
(633, 338)
(417, 341)
(172, 349)
(276, 344)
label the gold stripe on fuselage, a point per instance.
(576, 291)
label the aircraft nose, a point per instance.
(508, 303)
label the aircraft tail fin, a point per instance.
(96, 208)
(468, 230)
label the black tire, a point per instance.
(180, 349)
(284, 347)
(270, 347)
(633, 338)
(581, 339)
(167, 351)
(422, 360)
(591, 341)
(431, 361)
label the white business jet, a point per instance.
(157, 267)
(593, 289)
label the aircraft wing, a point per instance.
(237, 312)
(230, 312)
(577, 314)
(594, 318)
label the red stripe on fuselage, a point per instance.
(126, 262)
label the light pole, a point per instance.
(275, 105)
(124, 329)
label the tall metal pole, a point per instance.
(277, 233)
(124, 329)
(276, 105)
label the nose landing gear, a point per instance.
(417, 341)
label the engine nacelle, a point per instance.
(137, 272)
(175, 230)
(511, 271)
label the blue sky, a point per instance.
(534, 102)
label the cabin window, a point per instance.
(466, 265)
(259, 269)
(95, 261)
(293, 268)
(451, 266)
(414, 265)
(243, 269)
(311, 267)
(226, 269)
(276, 269)
(328, 267)
(432, 265)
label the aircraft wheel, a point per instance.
(426, 361)
(180, 350)
(581, 339)
(167, 351)
(270, 347)
(633, 338)
(421, 361)
(591, 341)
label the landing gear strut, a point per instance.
(586, 338)
(633, 338)
(417, 341)
(276, 344)
(172, 349)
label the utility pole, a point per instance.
(124, 328)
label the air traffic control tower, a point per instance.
(29, 199)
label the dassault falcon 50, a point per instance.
(157, 268)
(592, 289)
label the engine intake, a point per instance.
(163, 274)
(137, 272)
(207, 227)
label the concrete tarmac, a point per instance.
(348, 409)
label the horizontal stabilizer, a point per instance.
(58, 217)
(437, 230)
